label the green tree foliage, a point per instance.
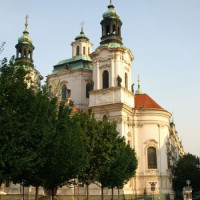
(64, 152)
(15, 99)
(122, 168)
(39, 146)
(98, 137)
(187, 168)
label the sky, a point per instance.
(163, 35)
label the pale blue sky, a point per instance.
(163, 35)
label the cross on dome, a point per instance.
(26, 18)
(82, 26)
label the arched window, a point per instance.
(126, 81)
(105, 79)
(83, 50)
(105, 118)
(87, 90)
(77, 50)
(114, 29)
(64, 92)
(119, 31)
(107, 30)
(152, 158)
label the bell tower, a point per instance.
(24, 48)
(112, 97)
(111, 26)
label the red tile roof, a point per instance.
(145, 101)
(76, 109)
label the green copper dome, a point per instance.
(25, 38)
(81, 36)
(111, 13)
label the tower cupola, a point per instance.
(81, 46)
(111, 26)
(24, 48)
(138, 91)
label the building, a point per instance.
(101, 80)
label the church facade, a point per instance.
(101, 80)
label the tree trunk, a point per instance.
(23, 192)
(101, 191)
(52, 194)
(118, 194)
(88, 192)
(112, 193)
(36, 192)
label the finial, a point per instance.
(26, 18)
(138, 81)
(110, 5)
(82, 25)
(138, 91)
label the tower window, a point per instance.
(77, 50)
(119, 31)
(107, 30)
(64, 92)
(29, 54)
(87, 90)
(114, 29)
(126, 81)
(105, 79)
(88, 50)
(105, 118)
(83, 50)
(152, 158)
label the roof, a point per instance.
(76, 58)
(110, 13)
(76, 109)
(112, 46)
(78, 62)
(145, 101)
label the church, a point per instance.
(100, 79)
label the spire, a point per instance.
(111, 5)
(138, 91)
(26, 24)
(82, 36)
(25, 48)
(82, 25)
(111, 26)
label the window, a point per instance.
(77, 50)
(105, 79)
(87, 90)
(119, 31)
(126, 81)
(152, 158)
(107, 30)
(64, 92)
(83, 50)
(88, 50)
(114, 29)
(105, 118)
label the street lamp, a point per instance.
(153, 187)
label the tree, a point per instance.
(39, 147)
(64, 152)
(98, 140)
(122, 168)
(187, 168)
(14, 100)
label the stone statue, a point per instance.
(132, 88)
(119, 80)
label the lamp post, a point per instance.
(153, 187)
